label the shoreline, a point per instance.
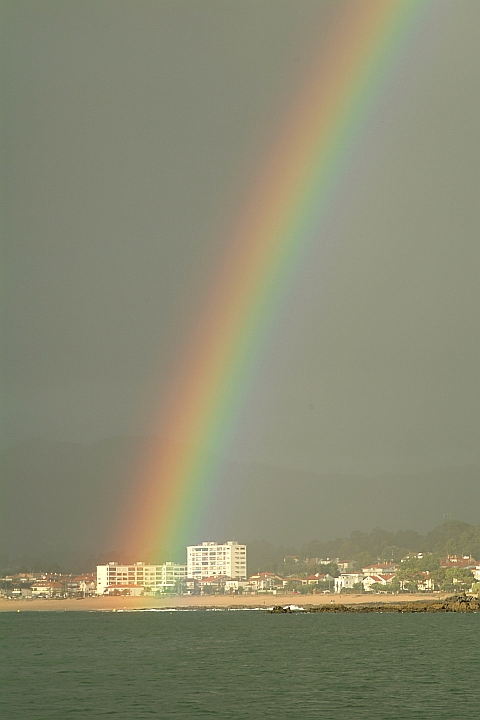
(311, 603)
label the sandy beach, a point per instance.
(221, 602)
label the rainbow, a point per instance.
(272, 238)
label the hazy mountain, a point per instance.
(324, 507)
(63, 502)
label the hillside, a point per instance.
(64, 502)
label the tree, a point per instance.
(427, 563)
(408, 578)
(305, 589)
(458, 578)
(438, 577)
(179, 586)
(294, 585)
(394, 586)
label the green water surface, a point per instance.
(243, 664)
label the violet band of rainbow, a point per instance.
(291, 197)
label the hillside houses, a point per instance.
(47, 586)
(466, 562)
(214, 569)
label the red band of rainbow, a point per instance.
(276, 229)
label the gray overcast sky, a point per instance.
(130, 131)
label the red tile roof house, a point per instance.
(315, 579)
(319, 578)
(452, 561)
(81, 585)
(87, 583)
(214, 583)
(373, 579)
(265, 581)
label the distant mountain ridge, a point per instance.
(63, 500)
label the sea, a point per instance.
(242, 664)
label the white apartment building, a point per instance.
(159, 578)
(210, 558)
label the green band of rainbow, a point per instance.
(289, 201)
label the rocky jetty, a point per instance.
(456, 603)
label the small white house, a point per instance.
(346, 581)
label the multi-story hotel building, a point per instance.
(158, 578)
(210, 558)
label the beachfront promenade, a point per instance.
(222, 602)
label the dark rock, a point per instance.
(455, 603)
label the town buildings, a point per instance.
(211, 559)
(216, 568)
(47, 585)
(153, 578)
(265, 581)
(208, 560)
(465, 562)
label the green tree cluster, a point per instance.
(451, 537)
(410, 574)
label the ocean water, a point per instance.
(238, 664)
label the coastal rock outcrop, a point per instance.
(455, 603)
